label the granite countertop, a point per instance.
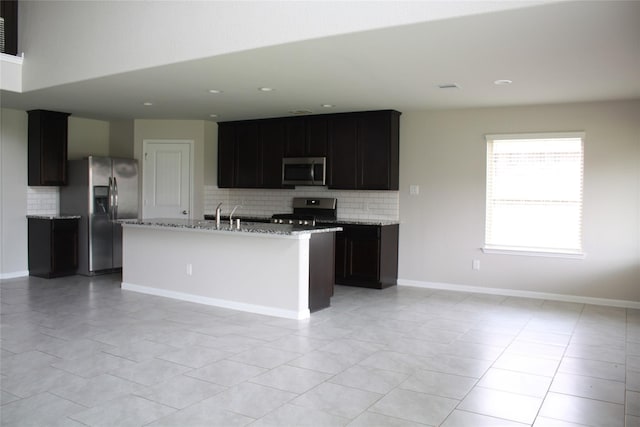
(245, 227)
(337, 222)
(51, 217)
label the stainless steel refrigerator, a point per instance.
(100, 189)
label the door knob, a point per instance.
(185, 212)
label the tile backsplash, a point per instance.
(43, 201)
(361, 205)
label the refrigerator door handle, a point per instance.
(110, 198)
(115, 198)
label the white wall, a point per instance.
(442, 228)
(13, 193)
(121, 138)
(87, 137)
(11, 72)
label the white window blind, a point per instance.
(534, 192)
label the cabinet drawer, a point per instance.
(368, 232)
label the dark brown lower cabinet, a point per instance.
(321, 270)
(367, 255)
(53, 246)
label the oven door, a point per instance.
(304, 170)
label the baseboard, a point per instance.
(233, 305)
(523, 294)
(14, 275)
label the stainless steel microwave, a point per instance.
(304, 171)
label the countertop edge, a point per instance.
(52, 217)
(248, 228)
(338, 222)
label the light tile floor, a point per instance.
(80, 351)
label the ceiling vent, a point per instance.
(449, 86)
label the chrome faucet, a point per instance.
(231, 214)
(218, 214)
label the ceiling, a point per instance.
(554, 53)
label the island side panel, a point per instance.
(321, 270)
(250, 272)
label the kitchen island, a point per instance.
(273, 269)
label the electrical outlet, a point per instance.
(476, 264)
(414, 189)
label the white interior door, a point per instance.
(167, 189)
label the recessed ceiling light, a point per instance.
(502, 82)
(215, 91)
(147, 104)
(327, 105)
(449, 86)
(213, 115)
(265, 89)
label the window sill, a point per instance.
(533, 253)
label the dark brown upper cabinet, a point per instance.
(343, 152)
(247, 156)
(272, 141)
(47, 148)
(364, 150)
(226, 155)
(250, 154)
(306, 137)
(238, 155)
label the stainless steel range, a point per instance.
(308, 211)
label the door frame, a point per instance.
(145, 145)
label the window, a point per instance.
(534, 193)
(9, 26)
